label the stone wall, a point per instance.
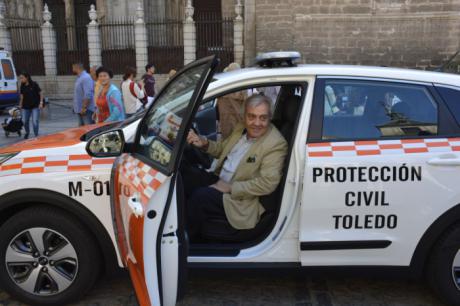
(404, 33)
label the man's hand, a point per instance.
(196, 140)
(222, 186)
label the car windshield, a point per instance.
(114, 125)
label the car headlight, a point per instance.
(5, 156)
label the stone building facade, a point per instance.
(408, 33)
(403, 33)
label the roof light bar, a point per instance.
(278, 59)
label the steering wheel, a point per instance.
(196, 156)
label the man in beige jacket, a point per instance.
(250, 164)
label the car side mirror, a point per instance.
(106, 144)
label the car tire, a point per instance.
(66, 268)
(442, 273)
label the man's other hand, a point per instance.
(222, 186)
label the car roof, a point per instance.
(403, 74)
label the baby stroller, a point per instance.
(14, 123)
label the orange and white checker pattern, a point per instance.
(54, 163)
(144, 178)
(382, 147)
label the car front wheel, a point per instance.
(47, 257)
(443, 273)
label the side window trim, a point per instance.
(317, 113)
(446, 117)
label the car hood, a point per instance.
(62, 139)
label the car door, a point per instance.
(146, 197)
(376, 173)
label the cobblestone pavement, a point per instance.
(249, 288)
(225, 288)
(56, 117)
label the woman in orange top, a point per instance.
(108, 100)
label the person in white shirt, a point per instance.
(133, 93)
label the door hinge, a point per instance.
(171, 234)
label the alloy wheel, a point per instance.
(41, 261)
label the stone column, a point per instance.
(140, 40)
(5, 36)
(94, 39)
(249, 36)
(238, 28)
(189, 34)
(49, 44)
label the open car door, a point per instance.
(146, 193)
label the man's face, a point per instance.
(257, 120)
(152, 70)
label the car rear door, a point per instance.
(380, 169)
(147, 192)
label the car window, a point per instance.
(164, 120)
(7, 68)
(452, 98)
(371, 109)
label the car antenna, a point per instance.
(442, 67)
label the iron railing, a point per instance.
(118, 46)
(165, 44)
(71, 46)
(27, 47)
(215, 36)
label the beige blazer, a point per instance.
(258, 174)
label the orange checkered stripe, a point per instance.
(382, 147)
(144, 178)
(61, 163)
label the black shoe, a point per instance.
(26, 136)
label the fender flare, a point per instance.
(13, 202)
(431, 236)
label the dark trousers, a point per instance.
(203, 202)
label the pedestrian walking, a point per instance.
(30, 101)
(149, 84)
(132, 92)
(109, 102)
(83, 103)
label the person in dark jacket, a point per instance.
(30, 101)
(149, 84)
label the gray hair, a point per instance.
(258, 99)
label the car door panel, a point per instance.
(137, 183)
(369, 201)
(148, 225)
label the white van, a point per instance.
(9, 95)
